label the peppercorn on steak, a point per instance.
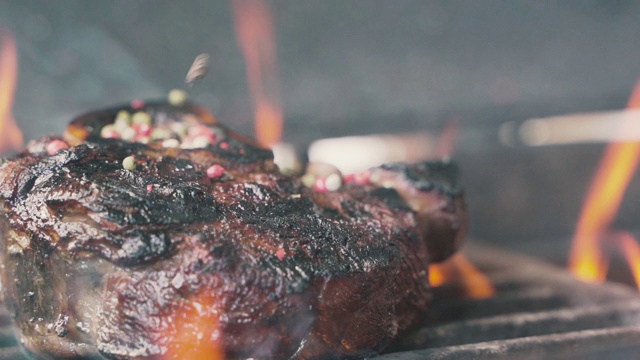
(153, 232)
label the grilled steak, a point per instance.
(197, 245)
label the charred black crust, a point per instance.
(430, 175)
(391, 198)
(241, 152)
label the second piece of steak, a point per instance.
(205, 246)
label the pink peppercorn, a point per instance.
(215, 171)
(137, 104)
(150, 188)
(362, 178)
(199, 130)
(320, 186)
(280, 254)
(56, 145)
(110, 134)
(224, 146)
(144, 130)
(349, 178)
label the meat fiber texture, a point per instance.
(171, 261)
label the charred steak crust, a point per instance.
(98, 263)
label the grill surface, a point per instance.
(538, 312)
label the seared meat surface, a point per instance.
(211, 249)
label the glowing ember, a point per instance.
(618, 165)
(11, 137)
(254, 31)
(462, 271)
(197, 335)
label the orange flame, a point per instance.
(196, 335)
(460, 269)
(438, 274)
(630, 249)
(618, 165)
(254, 32)
(11, 137)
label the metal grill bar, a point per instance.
(538, 299)
(525, 324)
(538, 312)
(617, 343)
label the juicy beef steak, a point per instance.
(205, 247)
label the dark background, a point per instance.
(359, 67)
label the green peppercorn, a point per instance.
(177, 97)
(129, 163)
(140, 118)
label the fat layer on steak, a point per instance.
(151, 263)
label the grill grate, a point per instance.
(539, 312)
